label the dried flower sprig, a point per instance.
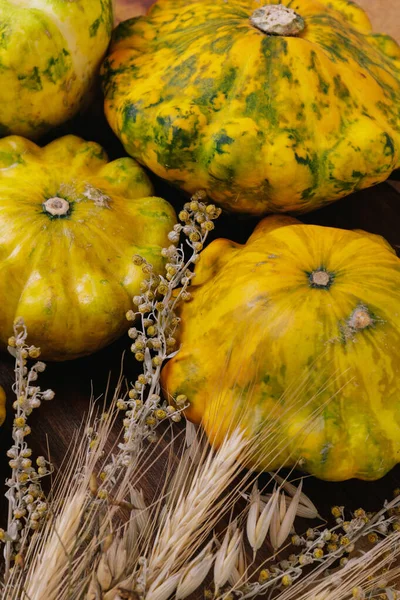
(26, 501)
(154, 341)
(71, 525)
(154, 334)
(368, 575)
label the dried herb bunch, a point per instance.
(206, 528)
(153, 343)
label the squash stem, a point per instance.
(277, 19)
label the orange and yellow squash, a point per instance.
(295, 338)
(50, 53)
(70, 223)
(268, 107)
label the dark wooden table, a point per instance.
(376, 210)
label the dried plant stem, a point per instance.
(26, 506)
(153, 337)
(371, 570)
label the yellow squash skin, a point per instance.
(50, 52)
(2, 405)
(263, 123)
(295, 337)
(72, 277)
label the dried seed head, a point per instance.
(130, 315)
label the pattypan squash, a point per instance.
(267, 107)
(70, 225)
(50, 53)
(295, 337)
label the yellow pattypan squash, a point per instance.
(70, 224)
(268, 107)
(50, 52)
(295, 338)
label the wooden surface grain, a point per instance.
(376, 210)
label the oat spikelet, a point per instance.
(195, 573)
(306, 508)
(259, 518)
(227, 556)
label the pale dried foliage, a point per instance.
(71, 517)
(54, 562)
(189, 511)
(206, 525)
(97, 548)
(147, 547)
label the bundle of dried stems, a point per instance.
(206, 526)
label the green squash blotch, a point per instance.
(32, 81)
(221, 140)
(389, 148)
(341, 90)
(94, 27)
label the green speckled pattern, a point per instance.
(263, 123)
(50, 53)
(314, 370)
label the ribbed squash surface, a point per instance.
(295, 337)
(70, 223)
(263, 123)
